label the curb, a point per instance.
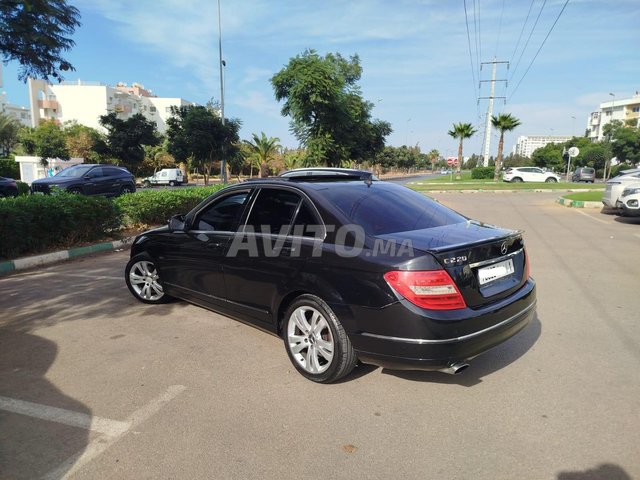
(48, 258)
(578, 203)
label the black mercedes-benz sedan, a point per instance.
(344, 268)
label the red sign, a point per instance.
(452, 161)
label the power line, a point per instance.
(513, 73)
(499, 29)
(476, 30)
(522, 31)
(541, 45)
(473, 71)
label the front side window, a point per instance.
(222, 215)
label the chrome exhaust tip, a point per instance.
(455, 368)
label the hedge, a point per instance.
(9, 168)
(482, 173)
(36, 223)
(31, 224)
(152, 207)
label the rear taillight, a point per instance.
(433, 289)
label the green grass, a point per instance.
(585, 196)
(445, 182)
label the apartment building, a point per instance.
(616, 109)
(527, 144)
(22, 114)
(84, 102)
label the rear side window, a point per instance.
(382, 209)
(273, 211)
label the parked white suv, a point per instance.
(166, 176)
(617, 184)
(630, 200)
(529, 174)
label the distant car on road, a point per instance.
(617, 184)
(584, 174)
(630, 200)
(88, 179)
(8, 187)
(166, 176)
(529, 174)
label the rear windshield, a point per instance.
(588, 170)
(385, 208)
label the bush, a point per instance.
(23, 188)
(9, 168)
(482, 173)
(30, 224)
(152, 207)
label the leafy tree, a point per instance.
(549, 156)
(9, 128)
(82, 141)
(46, 141)
(199, 134)
(156, 157)
(125, 138)
(35, 33)
(461, 131)
(505, 122)
(264, 149)
(328, 114)
(626, 145)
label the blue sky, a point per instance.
(415, 58)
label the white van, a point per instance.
(166, 176)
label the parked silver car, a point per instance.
(617, 184)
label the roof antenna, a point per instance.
(368, 180)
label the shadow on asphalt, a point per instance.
(606, 471)
(483, 365)
(30, 447)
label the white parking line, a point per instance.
(592, 218)
(108, 427)
(99, 445)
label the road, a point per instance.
(94, 385)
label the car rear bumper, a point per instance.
(496, 324)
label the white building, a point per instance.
(527, 144)
(19, 113)
(85, 102)
(616, 109)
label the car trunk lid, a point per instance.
(487, 263)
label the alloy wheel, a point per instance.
(310, 340)
(145, 281)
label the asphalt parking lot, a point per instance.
(94, 385)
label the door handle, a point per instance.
(214, 246)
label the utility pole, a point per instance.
(223, 163)
(491, 97)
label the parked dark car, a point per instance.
(8, 187)
(583, 174)
(344, 268)
(88, 179)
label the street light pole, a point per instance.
(223, 169)
(613, 105)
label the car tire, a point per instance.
(316, 342)
(146, 183)
(143, 280)
(75, 191)
(551, 180)
(516, 180)
(126, 189)
(172, 183)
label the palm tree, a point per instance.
(505, 122)
(433, 155)
(461, 131)
(264, 148)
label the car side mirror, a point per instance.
(176, 223)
